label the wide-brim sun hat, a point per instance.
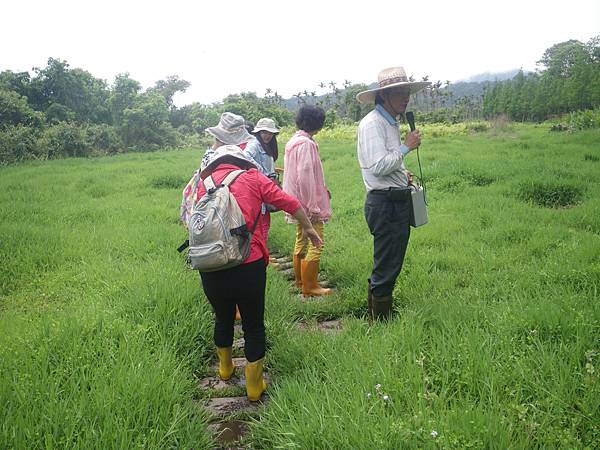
(266, 124)
(393, 77)
(231, 130)
(225, 154)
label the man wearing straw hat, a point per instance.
(381, 157)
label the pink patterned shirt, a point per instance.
(303, 177)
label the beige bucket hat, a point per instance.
(266, 124)
(393, 77)
(225, 154)
(230, 130)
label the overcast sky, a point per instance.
(228, 46)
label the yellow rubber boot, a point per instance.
(310, 285)
(297, 259)
(226, 367)
(255, 383)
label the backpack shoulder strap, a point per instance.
(231, 177)
(208, 183)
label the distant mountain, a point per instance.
(473, 87)
(491, 76)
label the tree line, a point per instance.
(60, 111)
(568, 81)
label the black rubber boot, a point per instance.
(382, 306)
(370, 301)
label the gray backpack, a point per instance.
(218, 235)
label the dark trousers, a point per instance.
(388, 221)
(245, 286)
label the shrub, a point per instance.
(559, 127)
(14, 110)
(18, 143)
(104, 139)
(65, 139)
(478, 127)
(57, 113)
(581, 120)
(550, 195)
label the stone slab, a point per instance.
(238, 344)
(288, 274)
(213, 382)
(225, 406)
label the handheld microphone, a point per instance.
(410, 118)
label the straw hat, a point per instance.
(266, 124)
(230, 130)
(394, 77)
(225, 154)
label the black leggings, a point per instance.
(245, 286)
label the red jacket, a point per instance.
(251, 189)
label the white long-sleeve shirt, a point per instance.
(381, 152)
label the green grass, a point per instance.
(495, 344)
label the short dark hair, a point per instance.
(379, 99)
(310, 118)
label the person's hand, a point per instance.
(313, 236)
(413, 139)
(410, 176)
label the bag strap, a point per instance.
(209, 183)
(228, 180)
(256, 221)
(421, 179)
(231, 177)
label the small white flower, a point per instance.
(368, 395)
(434, 434)
(386, 397)
(377, 386)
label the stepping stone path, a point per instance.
(285, 266)
(227, 403)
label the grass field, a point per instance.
(495, 342)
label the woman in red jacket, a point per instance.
(245, 284)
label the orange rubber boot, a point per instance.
(297, 271)
(310, 285)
